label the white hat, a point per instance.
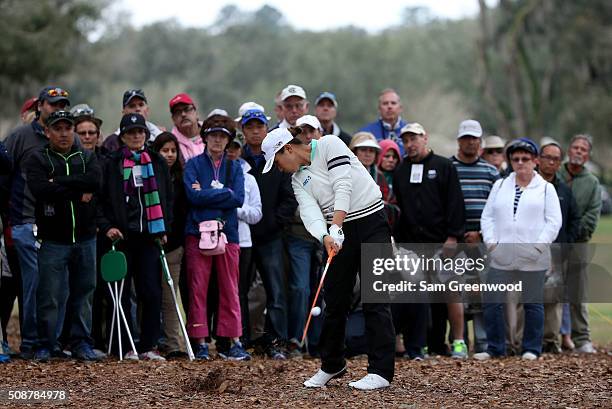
(247, 106)
(217, 111)
(470, 127)
(493, 142)
(367, 143)
(292, 91)
(309, 120)
(272, 143)
(414, 127)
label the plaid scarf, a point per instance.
(155, 216)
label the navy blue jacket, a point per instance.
(210, 203)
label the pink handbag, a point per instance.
(212, 238)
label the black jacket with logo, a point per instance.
(432, 210)
(57, 182)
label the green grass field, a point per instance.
(601, 314)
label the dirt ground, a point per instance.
(553, 381)
(566, 381)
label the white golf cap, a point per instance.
(248, 106)
(414, 127)
(292, 91)
(217, 111)
(309, 120)
(363, 140)
(367, 143)
(272, 143)
(470, 127)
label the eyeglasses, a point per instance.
(494, 150)
(187, 110)
(297, 105)
(551, 158)
(55, 92)
(520, 159)
(85, 133)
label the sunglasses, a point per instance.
(82, 112)
(521, 159)
(57, 92)
(494, 150)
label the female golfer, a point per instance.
(335, 194)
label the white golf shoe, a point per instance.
(321, 378)
(370, 382)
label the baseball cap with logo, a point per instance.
(309, 120)
(132, 121)
(253, 114)
(469, 127)
(414, 127)
(327, 95)
(131, 94)
(53, 95)
(272, 143)
(292, 91)
(58, 116)
(181, 98)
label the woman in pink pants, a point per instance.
(215, 190)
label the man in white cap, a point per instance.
(476, 177)
(342, 207)
(295, 105)
(326, 109)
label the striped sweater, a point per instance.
(476, 180)
(334, 180)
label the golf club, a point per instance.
(316, 297)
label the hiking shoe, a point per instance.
(586, 348)
(482, 356)
(529, 356)
(202, 352)
(151, 356)
(176, 355)
(274, 351)
(26, 355)
(459, 350)
(551, 348)
(59, 354)
(42, 355)
(4, 359)
(6, 349)
(85, 353)
(294, 351)
(321, 378)
(99, 353)
(370, 382)
(236, 353)
(131, 356)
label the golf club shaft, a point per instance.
(316, 297)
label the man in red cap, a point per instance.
(186, 125)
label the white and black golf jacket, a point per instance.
(334, 180)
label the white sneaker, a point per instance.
(321, 378)
(586, 349)
(131, 356)
(151, 356)
(529, 356)
(482, 356)
(370, 382)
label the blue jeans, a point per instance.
(67, 274)
(301, 254)
(268, 258)
(25, 246)
(533, 290)
(566, 323)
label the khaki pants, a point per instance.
(552, 323)
(170, 323)
(577, 284)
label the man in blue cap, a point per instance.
(21, 143)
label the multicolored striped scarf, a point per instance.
(155, 216)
